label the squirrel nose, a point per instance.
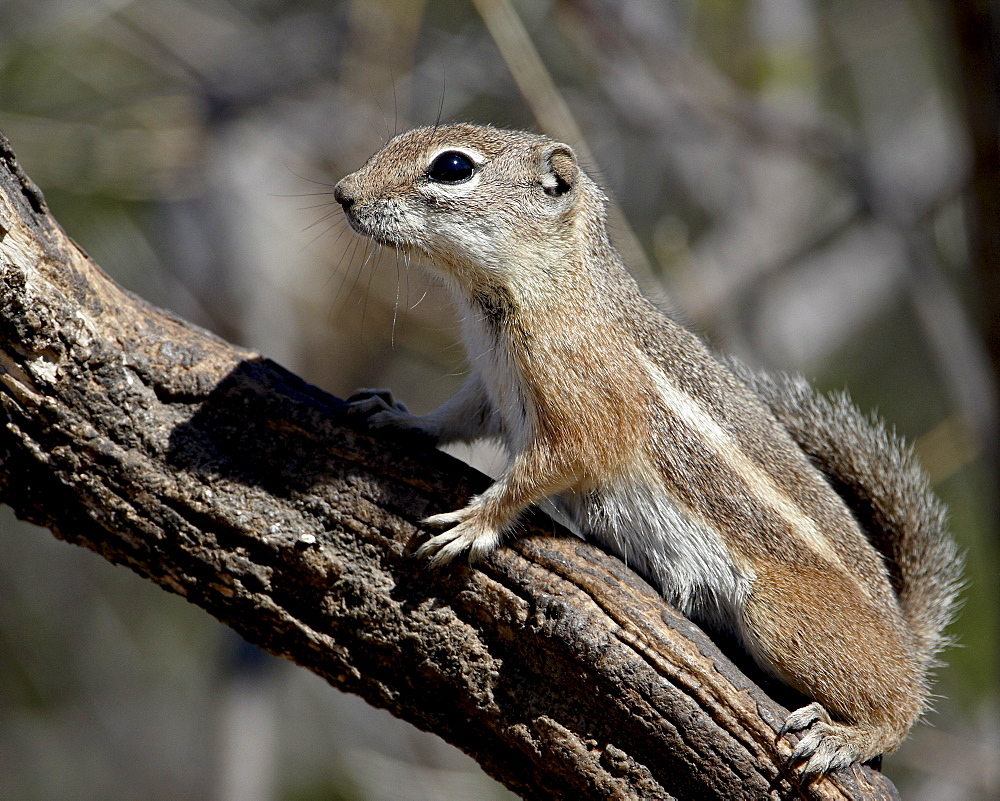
(342, 194)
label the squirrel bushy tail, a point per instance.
(880, 480)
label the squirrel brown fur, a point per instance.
(757, 507)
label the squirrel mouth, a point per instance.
(366, 230)
(356, 224)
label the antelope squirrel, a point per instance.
(784, 518)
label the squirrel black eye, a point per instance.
(451, 167)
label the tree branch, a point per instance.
(227, 480)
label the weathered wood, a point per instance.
(226, 479)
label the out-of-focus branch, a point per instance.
(977, 52)
(552, 112)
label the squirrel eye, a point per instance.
(451, 167)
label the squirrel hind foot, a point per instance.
(828, 745)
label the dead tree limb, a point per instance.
(227, 480)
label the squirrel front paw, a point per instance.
(828, 745)
(470, 532)
(381, 411)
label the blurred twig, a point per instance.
(977, 53)
(552, 112)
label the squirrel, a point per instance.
(756, 507)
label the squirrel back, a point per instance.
(877, 474)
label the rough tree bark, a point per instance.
(227, 480)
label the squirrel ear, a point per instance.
(558, 169)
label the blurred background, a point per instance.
(807, 183)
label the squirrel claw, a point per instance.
(444, 519)
(803, 718)
(470, 534)
(381, 411)
(368, 401)
(826, 745)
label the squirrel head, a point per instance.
(474, 202)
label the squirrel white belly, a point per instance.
(715, 483)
